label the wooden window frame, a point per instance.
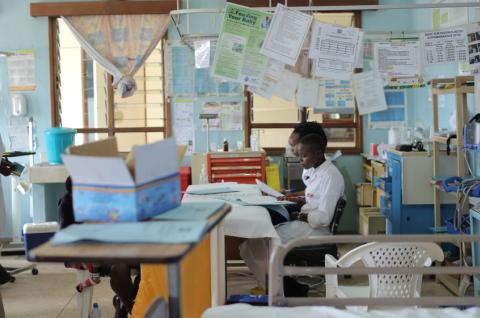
(54, 11)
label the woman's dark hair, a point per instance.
(315, 142)
(309, 127)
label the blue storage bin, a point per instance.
(35, 234)
(58, 139)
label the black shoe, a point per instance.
(120, 310)
(5, 277)
(292, 288)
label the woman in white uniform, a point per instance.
(325, 185)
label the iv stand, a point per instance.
(208, 117)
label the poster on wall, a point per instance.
(399, 63)
(285, 38)
(369, 93)
(21, 71)
(444, 46)
(473, 38)
(335, 96)
(183, 123)
(229, 115)
(396, 113)
(238, 57)
(333, 49)
(448, 17)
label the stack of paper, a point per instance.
(192, 211)
(135, 232)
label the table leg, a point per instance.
(174, 292)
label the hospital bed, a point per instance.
(399, 307)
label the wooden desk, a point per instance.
(107, 253)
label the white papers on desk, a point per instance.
(268, 190)
(334, 50)
(286, 35)
(307, 94)
(369, 93)
(444, 46)
(287, 85)
(398, 61)
(136, 232)
(211, 190)
(259, 200)
(191, 211)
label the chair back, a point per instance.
(337, 214)
(419, 254)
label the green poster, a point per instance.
(238, 56)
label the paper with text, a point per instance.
(287, 85)
(286, 35)
(267, 189)
(307, 93)
(398, 61)
(334, 49)
(445, 46)
(238, 57)
(369, 93)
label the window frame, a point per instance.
(357, 124)
(54, 10)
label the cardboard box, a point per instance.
(106, 188)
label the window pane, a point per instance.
(340, 137)
(82, 83)
(273, 137)
(127, 140)
(81, 138)
(275, 110)
(145, 107)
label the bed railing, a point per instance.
(278, 271)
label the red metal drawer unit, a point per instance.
(236, 167)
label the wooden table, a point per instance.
(108, 253)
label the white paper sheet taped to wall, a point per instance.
(369, 93)
(286, 35)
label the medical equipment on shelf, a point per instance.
(471, 131)
(208, 117)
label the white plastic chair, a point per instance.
(421, 254)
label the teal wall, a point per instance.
(20, 31)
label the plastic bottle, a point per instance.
(95, 311)
(225, 145)
(202, 178)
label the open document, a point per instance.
(268, 190)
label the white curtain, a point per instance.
(120, 43)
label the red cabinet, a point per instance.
(241, 167)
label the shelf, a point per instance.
(444, 91)
(443, 140)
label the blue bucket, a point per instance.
(58, 139)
